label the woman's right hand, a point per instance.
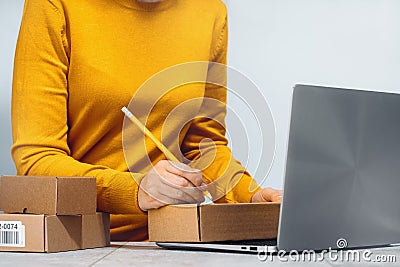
(170, 183)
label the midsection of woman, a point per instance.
(79, 61)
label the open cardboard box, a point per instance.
(48, 195)
(51, 233)
(215, 222)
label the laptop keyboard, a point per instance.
(257, 242)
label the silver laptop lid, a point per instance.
(342, 178)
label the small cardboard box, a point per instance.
(216, 222)
(51, 233)
(48, 195)
(96, 230)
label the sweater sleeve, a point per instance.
(230, 182)
(39, 110)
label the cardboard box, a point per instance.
(39, 233)
(51, 233)
(216, 222)
(48, 195)
(96, 230)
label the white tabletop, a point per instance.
(148, 254)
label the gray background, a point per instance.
(343, 43)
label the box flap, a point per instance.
(239, 221)
(63, 233)
(76, 195)
(174, 224)
(24, 194)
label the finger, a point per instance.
(191, 194)
(278, 196)
(182, 184)
(193, 175)
(203, 187)
(167, 179)
(183, 195)
(195, 193)
(268, 194)
(159, 198)
(166, 200)
(174, 179)
(179, 169)
(155, 203)
(273, 195)
(148, 200)
(277, 199)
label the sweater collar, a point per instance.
(147, 6)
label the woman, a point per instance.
(78, 62)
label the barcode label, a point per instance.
(12, 234)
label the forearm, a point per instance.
(116, 191)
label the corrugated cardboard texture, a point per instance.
(63, 233)
(239, 221)
(76, 195)
(35, 195)
(217, 222)
(34, 232)
(48, 195)
(174, 224)
(95, 230)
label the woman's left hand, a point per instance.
(267, 195)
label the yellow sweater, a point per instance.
(79, 61)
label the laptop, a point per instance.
(342, 175)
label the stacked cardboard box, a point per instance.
(50, 214)
(215, 222)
